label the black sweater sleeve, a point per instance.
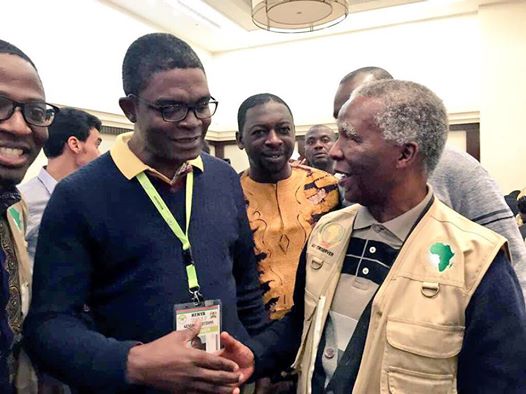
(493, 355)
(61, 283)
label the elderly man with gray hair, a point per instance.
(397, 293)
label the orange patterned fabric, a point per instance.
(282, 216)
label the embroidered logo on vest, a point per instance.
(17, 217)
(331, 234)
(441, 256)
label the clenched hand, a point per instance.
(168, 363)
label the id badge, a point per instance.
(209, 314)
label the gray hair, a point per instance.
(412, 113)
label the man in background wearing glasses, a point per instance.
(106, 244)
(24, 117)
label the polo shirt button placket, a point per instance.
(329, 353)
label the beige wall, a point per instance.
(474, 61)
(78, 47)
(441, 54)
(503, 92)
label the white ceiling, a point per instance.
(224, 25)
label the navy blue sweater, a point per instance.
(102, 243)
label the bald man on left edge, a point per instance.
(24, 118)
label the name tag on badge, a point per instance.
(209, 314)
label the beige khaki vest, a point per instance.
(417, 317)
(26, 380)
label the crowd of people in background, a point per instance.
(383, 261)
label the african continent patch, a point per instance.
(441, 256)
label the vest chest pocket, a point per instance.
(420, 358)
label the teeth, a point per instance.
(12, 152)
(188, 139)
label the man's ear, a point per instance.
(239, 140)
(408, 154)
(127, 105)
(74, 144)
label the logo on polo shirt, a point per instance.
(441, 256)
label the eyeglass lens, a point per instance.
(180, 111)
(35, 113)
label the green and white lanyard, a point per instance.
(193, 284)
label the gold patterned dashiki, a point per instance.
(282, 216)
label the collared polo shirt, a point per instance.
(371, 252)
(130, 165)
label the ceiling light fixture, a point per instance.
(298, 16)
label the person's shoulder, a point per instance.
(98, 171)
(28, 188)
(218, 170)
(454, 160)
(313, 175)
(216, 165)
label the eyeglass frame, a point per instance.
(193, 107)
(22, 106)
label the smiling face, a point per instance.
(268, 137)
(20, 142)
(162, 144)
(365, 159)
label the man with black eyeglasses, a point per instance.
(149, 226)
(24, 117)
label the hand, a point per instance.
(170, 364)
(238, 353)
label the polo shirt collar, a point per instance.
(130, 165)
(401, 225)
(47, 180)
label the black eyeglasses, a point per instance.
(36, 113)
(178, 112)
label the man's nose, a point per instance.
(336, 152)
(273, 138)
(318, 145)
(191, 120)
(16, 124)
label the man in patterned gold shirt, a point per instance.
(284, 201)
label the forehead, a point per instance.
(359, 113)
(269, 112)
(184, 84)
(19, 80)
(319, 132)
